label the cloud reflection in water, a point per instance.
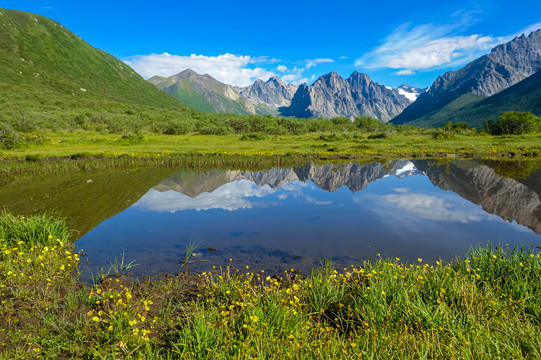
(232, 196)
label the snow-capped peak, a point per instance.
(409, 92)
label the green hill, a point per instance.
(442, 116)
(475, 109)
(523, 96)
(45, 70)
(204, 93)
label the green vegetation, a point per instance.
(218, 98)
(523, 96)
(515, 123)
(483, 306)
(442, 116)
(369, 124)
(396, 142)
(44, 67)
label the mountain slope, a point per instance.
(523, 96)
(204, 93)
(42, 63)
(506, 65)
(274, 92)
(332, 96)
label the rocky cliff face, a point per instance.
(204, 93)
(506, 65)
(332, 96)
(274, 92)
(508, 198)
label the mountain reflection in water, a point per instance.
(293, 218)
(286, 218)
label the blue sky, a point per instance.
(394, 42)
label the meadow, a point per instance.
(159, 148)
(483, 306)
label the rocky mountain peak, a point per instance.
(332, 96)
(506, 65)
(277, 80)
(274, 92)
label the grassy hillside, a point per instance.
(185, 92)
(46, 68)
(475, 109)
(204, 93)
(524, 96)
(441, 116)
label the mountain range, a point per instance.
(274, 92)
(330, 96)
(496, 82)
(333, 96)
(465, 94)
(204, 93)
(46, 68)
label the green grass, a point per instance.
(39, 58)
(329, 145)
(484, 306)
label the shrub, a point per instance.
(215, 129)
(294, 126)
(457, 126)
(341, 121)
(132, 138)
(10, 138)
(369, 124)
(333, 137)
(177, 128)
(377, 136)
(440, 134)
(253, 137)
(515, 123)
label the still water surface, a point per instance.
(293, 218)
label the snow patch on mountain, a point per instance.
(409, 95)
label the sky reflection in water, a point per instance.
(296, 224)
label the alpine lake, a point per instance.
(288, 218)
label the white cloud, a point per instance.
(441, 51)
(313, 62)
(227, 68)
(430, 46)
(297, 77)
(527, 30)
(405, 72)
(236, 195)
(290, 77)
(425, 47)
(343, 57)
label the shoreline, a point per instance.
(485, 304)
